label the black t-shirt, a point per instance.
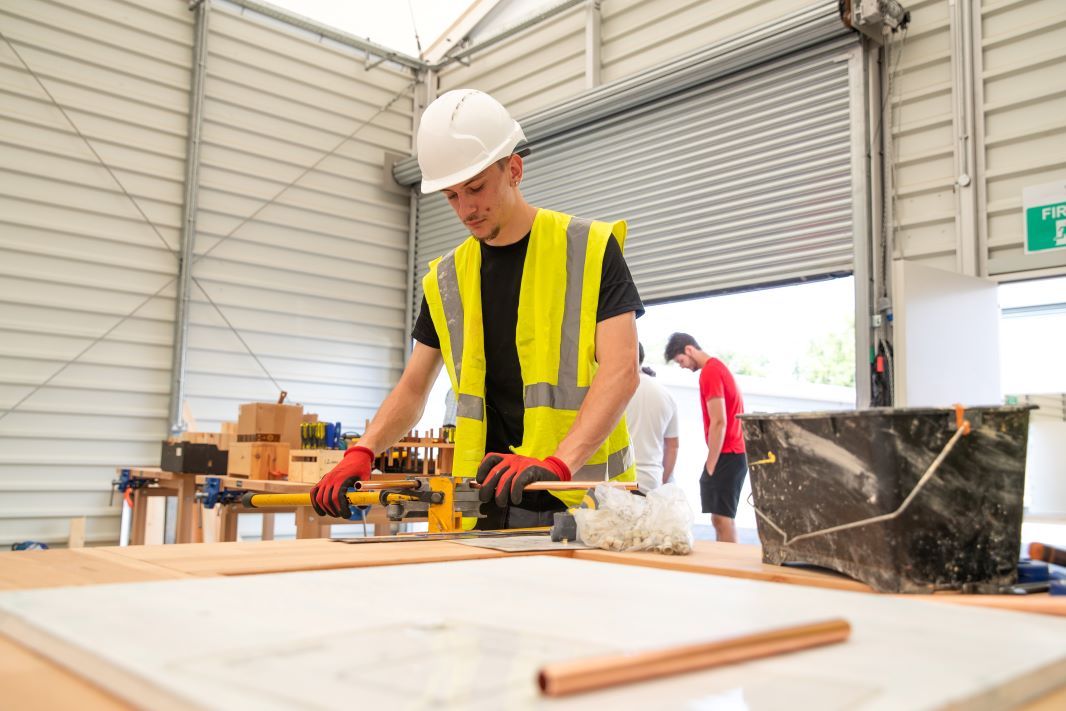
(501, 281)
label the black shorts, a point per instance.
(720, 493)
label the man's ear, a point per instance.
(515, 168)
(689, 350)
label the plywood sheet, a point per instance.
(32, 681)
(470, 634)
(84, 566)
(300, 555)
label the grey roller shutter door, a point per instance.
(741, 183)
(744, 181)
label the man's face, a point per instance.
(485, 202)
(686, 361)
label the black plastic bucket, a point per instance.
(960, 529)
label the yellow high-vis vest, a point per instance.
(555, 336)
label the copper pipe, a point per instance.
(568, 485)
(377, 485)
(561, 678)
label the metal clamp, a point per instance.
(214, 493)
(126, 481)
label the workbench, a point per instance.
(157, 482)
(192, 518)
(30, 680)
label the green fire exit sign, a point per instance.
(1045, 217)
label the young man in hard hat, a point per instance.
(534, 317)
(727, 463)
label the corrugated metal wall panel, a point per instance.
(638, 34)
(1023, 52)
(1052, 406)
(635, 35)
(76, 256)
(537, 68)
(923, 140)
(780, 129)
(315, 281)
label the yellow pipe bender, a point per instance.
(442, 500)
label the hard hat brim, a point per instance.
(503, 150)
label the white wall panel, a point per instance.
(76, 256)
(923, 149)
(532, 70)
(545, 64)
(315, 280)
(1023, 53)
(1020, 102)
(638, 34)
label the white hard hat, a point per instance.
(461, 133)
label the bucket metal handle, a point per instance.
(963, 429)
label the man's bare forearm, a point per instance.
(715, 440)
(670, 445)
(403, 407)
(397, 415)
(604, 404)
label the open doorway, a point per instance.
(791, 349)
(1032, 344)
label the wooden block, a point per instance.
(155, 522)
(302, 463)
(310, 465)
(227, 434)
(327, 459)
(214, 438)
(445, 458)
(270, 422)
(309, 417)
(257, 460)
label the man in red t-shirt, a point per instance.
(727, 464)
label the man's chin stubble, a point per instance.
(490, 236)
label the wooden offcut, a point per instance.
(258, 460)
(270, 422)
(76, 539)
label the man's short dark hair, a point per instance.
(676, 345)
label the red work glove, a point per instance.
(329, 496)
(504, 476)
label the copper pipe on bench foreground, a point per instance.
(571, 677)
(378, 485)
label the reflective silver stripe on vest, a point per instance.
(617, 463)
(567, 395)
(469, 406)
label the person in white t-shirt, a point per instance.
(652, 419)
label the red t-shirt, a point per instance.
(717, 381)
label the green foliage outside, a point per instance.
(830, 358)
(746, 363)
